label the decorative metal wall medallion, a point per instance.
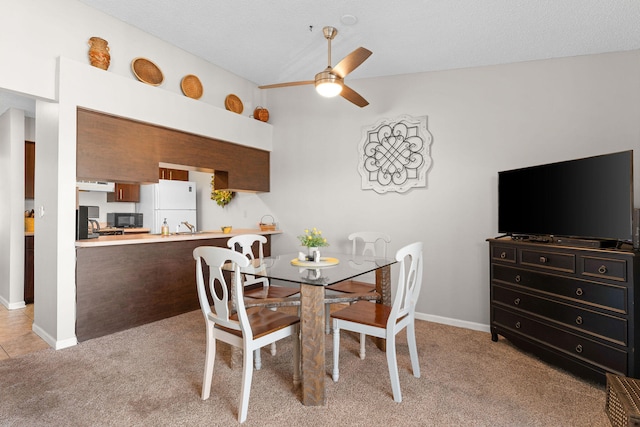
(395, 154)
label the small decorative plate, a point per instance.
(233, 103)
(324, 262)
(147, 72)
(191, 86)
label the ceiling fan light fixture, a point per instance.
(328, 84)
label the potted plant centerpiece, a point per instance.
(313, 240)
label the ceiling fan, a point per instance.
(330, 82)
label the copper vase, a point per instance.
(99, 53)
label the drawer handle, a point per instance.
(602, 269)
(517, 325)
(518, 278)
(544, 260)
(579, 320)
(579, 292)
(516, 301)
(579, 348)
(503, 255)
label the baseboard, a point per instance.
(13, 305)
(57, 345)
(453, 322)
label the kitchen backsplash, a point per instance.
(99, 199)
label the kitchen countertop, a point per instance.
(134, 239)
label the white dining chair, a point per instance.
(364, 243)
(382, 321)
(246, 329)
(244, 244)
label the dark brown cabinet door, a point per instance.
(117, 149)
(28, 269)
(125, 193)
(29, 169)
(173, 174)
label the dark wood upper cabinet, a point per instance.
(125, 151)
(114, 149)
(173, 174)
(125, 193)
(29, 169)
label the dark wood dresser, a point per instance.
(570, 306)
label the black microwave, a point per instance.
(124, 220)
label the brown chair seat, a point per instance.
(352, 287)
(263, 321)
(271, 292)
(364, 312)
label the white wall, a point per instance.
(12, 132)
(483, 120)
(244, 211)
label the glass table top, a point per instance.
(349, 266)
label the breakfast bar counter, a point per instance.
(125, 281)
(134, 239)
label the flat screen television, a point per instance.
(589, 198)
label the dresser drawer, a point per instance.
(503, 253)
(571, 344)
(607, 327)
(602, 295)
(549, 260)
(605, 268)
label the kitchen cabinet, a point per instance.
(29, 168)
(116, 149)
(28, 269)
(125, 193)
(173, 174)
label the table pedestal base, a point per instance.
(313, 357)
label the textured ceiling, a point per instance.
(273, 41)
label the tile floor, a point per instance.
(16, 336)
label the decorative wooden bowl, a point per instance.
(191, 86)
(147, 72)
(233, 103)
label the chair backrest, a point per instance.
(409, 282)
(246, 241)
(369, 240)
(216, 258)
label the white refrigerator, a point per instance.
(173, 200)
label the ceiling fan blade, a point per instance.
(353, 96)
(351, 61)
(305, 82)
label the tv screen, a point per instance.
(584, 198)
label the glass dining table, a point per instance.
(313, 277)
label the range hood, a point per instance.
(108, 187)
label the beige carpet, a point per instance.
(151, 376)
